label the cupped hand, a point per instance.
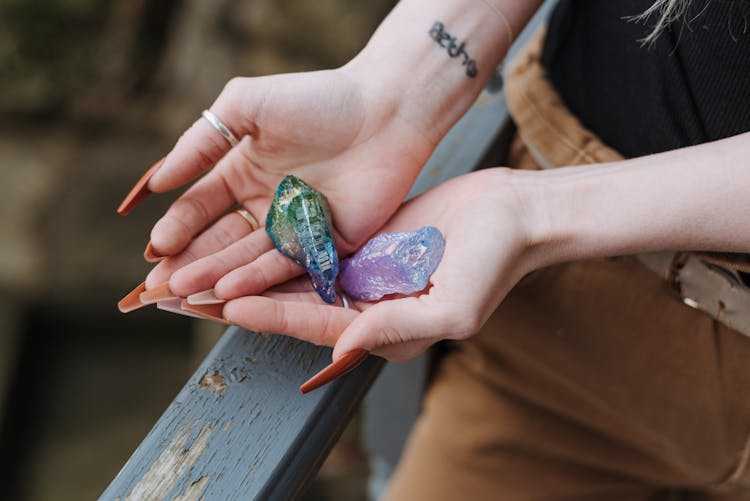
(489, 248)
(328, 128)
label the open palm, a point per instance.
(486, 253)
(324, 128)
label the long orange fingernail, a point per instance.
(347, 362)
(139, 191)
(150, 255)
(212, 311)
(173, 306)
(158, 293)
(204, 297)
(133, 300)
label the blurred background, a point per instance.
(92, 92)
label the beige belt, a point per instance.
(555, 137)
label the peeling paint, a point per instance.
(484, 99)
(171, 464)
(214, 382)
(194, 491)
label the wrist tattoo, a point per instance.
(448, 42)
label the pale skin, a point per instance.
(360, 134)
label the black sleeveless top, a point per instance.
(691, 87)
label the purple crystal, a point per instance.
(393, 263)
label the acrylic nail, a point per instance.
(210, 311)
(204, 297)
(158, 293)
(139, 191)
(132, 301)
(150, 255)
(347, 362)
(175, 306)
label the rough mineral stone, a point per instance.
(393, 263)
(299, 223)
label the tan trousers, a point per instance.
(590, 381)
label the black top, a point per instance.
(691, 87)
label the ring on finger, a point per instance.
(347, 303)
(247, 216)
(219, 126)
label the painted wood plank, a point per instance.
(240, 429)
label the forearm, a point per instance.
(429, 74)
(695, 198)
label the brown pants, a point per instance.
(590, 381)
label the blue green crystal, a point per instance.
(299, 223)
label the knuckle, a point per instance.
(390, 335)
(328, 336)
(278, 313)
(223, 236)
(171, 232)
(232, 88)
(205, 152)
(191, 211)
(259, 279)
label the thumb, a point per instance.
(397, 330)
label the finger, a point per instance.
(400, 329)
(202, 146)
(318, 324)
(231, 181)
(199, 206)
(203, 273)
(269, 269)
(226, 231)
(301, 291)
(297, 284)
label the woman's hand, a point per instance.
(359, 134)
(489, 237)
(322, 127)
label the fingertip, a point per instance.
(230, 310)
(185, 281)
(226, 286)
(180, 284)
(168, 239)
(156, 276)
(155, 184)
(196, 152)
(353, 338)
(151, 255)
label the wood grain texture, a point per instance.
(240, 429)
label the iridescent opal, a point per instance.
(393, 263)
(299, 223)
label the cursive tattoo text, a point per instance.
(454, 48)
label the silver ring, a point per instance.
(218, 125)
(345, 300)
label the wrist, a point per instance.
(428, 61)
(546, 202)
